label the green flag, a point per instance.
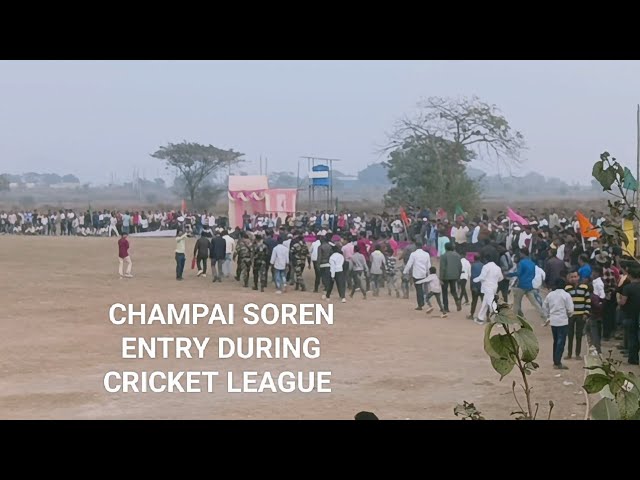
(630, 183)
(459, 212)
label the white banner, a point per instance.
(155, 233)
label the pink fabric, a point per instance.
(246, 193)
(514, 217)
(281, 201)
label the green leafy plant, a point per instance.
(468, 411)
(620, 391)
(617, 182)
(517, 347)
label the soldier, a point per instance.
(260, 261)
(300, 254)
(243, 258)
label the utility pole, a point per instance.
(636, 193)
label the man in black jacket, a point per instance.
(217, 251)
(201, 252)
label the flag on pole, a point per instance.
(514, 217)
(403, 216)
(629, 183)
(459, 213)
(586, 229)
(441, 214)
(184, 206)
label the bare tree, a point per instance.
(477, 129)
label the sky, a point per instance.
(98, 118)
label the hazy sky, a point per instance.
(92, 118)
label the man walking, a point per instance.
(581, 308)
(217, 253)
(260, 261)
(123, 257)
(280, 260)
(418, 264)
(450, 271)
(526, 273)
(201, 252)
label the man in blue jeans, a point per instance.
(280, 260)
(558, 307)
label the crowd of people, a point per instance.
(104, 223)
(593, 288)
(480, 258)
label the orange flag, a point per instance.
(586, 229)
(184, 206)
(403, 216)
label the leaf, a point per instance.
(524, 323)
(502, 365)
(628, 402)
(633, 379)
(488, 346)
(595, 382)
(604, 176)
(605, 409)
(503, 345)
(528, 344)
(616, 383)
(506, 316)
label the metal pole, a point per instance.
(309, 180)
(636, 193)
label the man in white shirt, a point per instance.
(228, 258)
(475, 234)
(280, 260)
(313, 253)
(558, 307)
(396, 228)
(419, 264)
(378, 265)
(525, 236)
(490, 276)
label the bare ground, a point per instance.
(56, 344)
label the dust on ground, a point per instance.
(56, 344)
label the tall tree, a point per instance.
(426, 171)
(195, 162)
(428, 154)
(477, 129)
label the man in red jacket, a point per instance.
(123, 256)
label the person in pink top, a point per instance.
(347, 253)
(365, 246)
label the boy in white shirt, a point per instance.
(434, 289)
(558, 307)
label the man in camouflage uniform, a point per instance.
(300, 253)
(243, 258)
(260, 263)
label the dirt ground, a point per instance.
(57, 343)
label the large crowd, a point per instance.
(593, 289)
